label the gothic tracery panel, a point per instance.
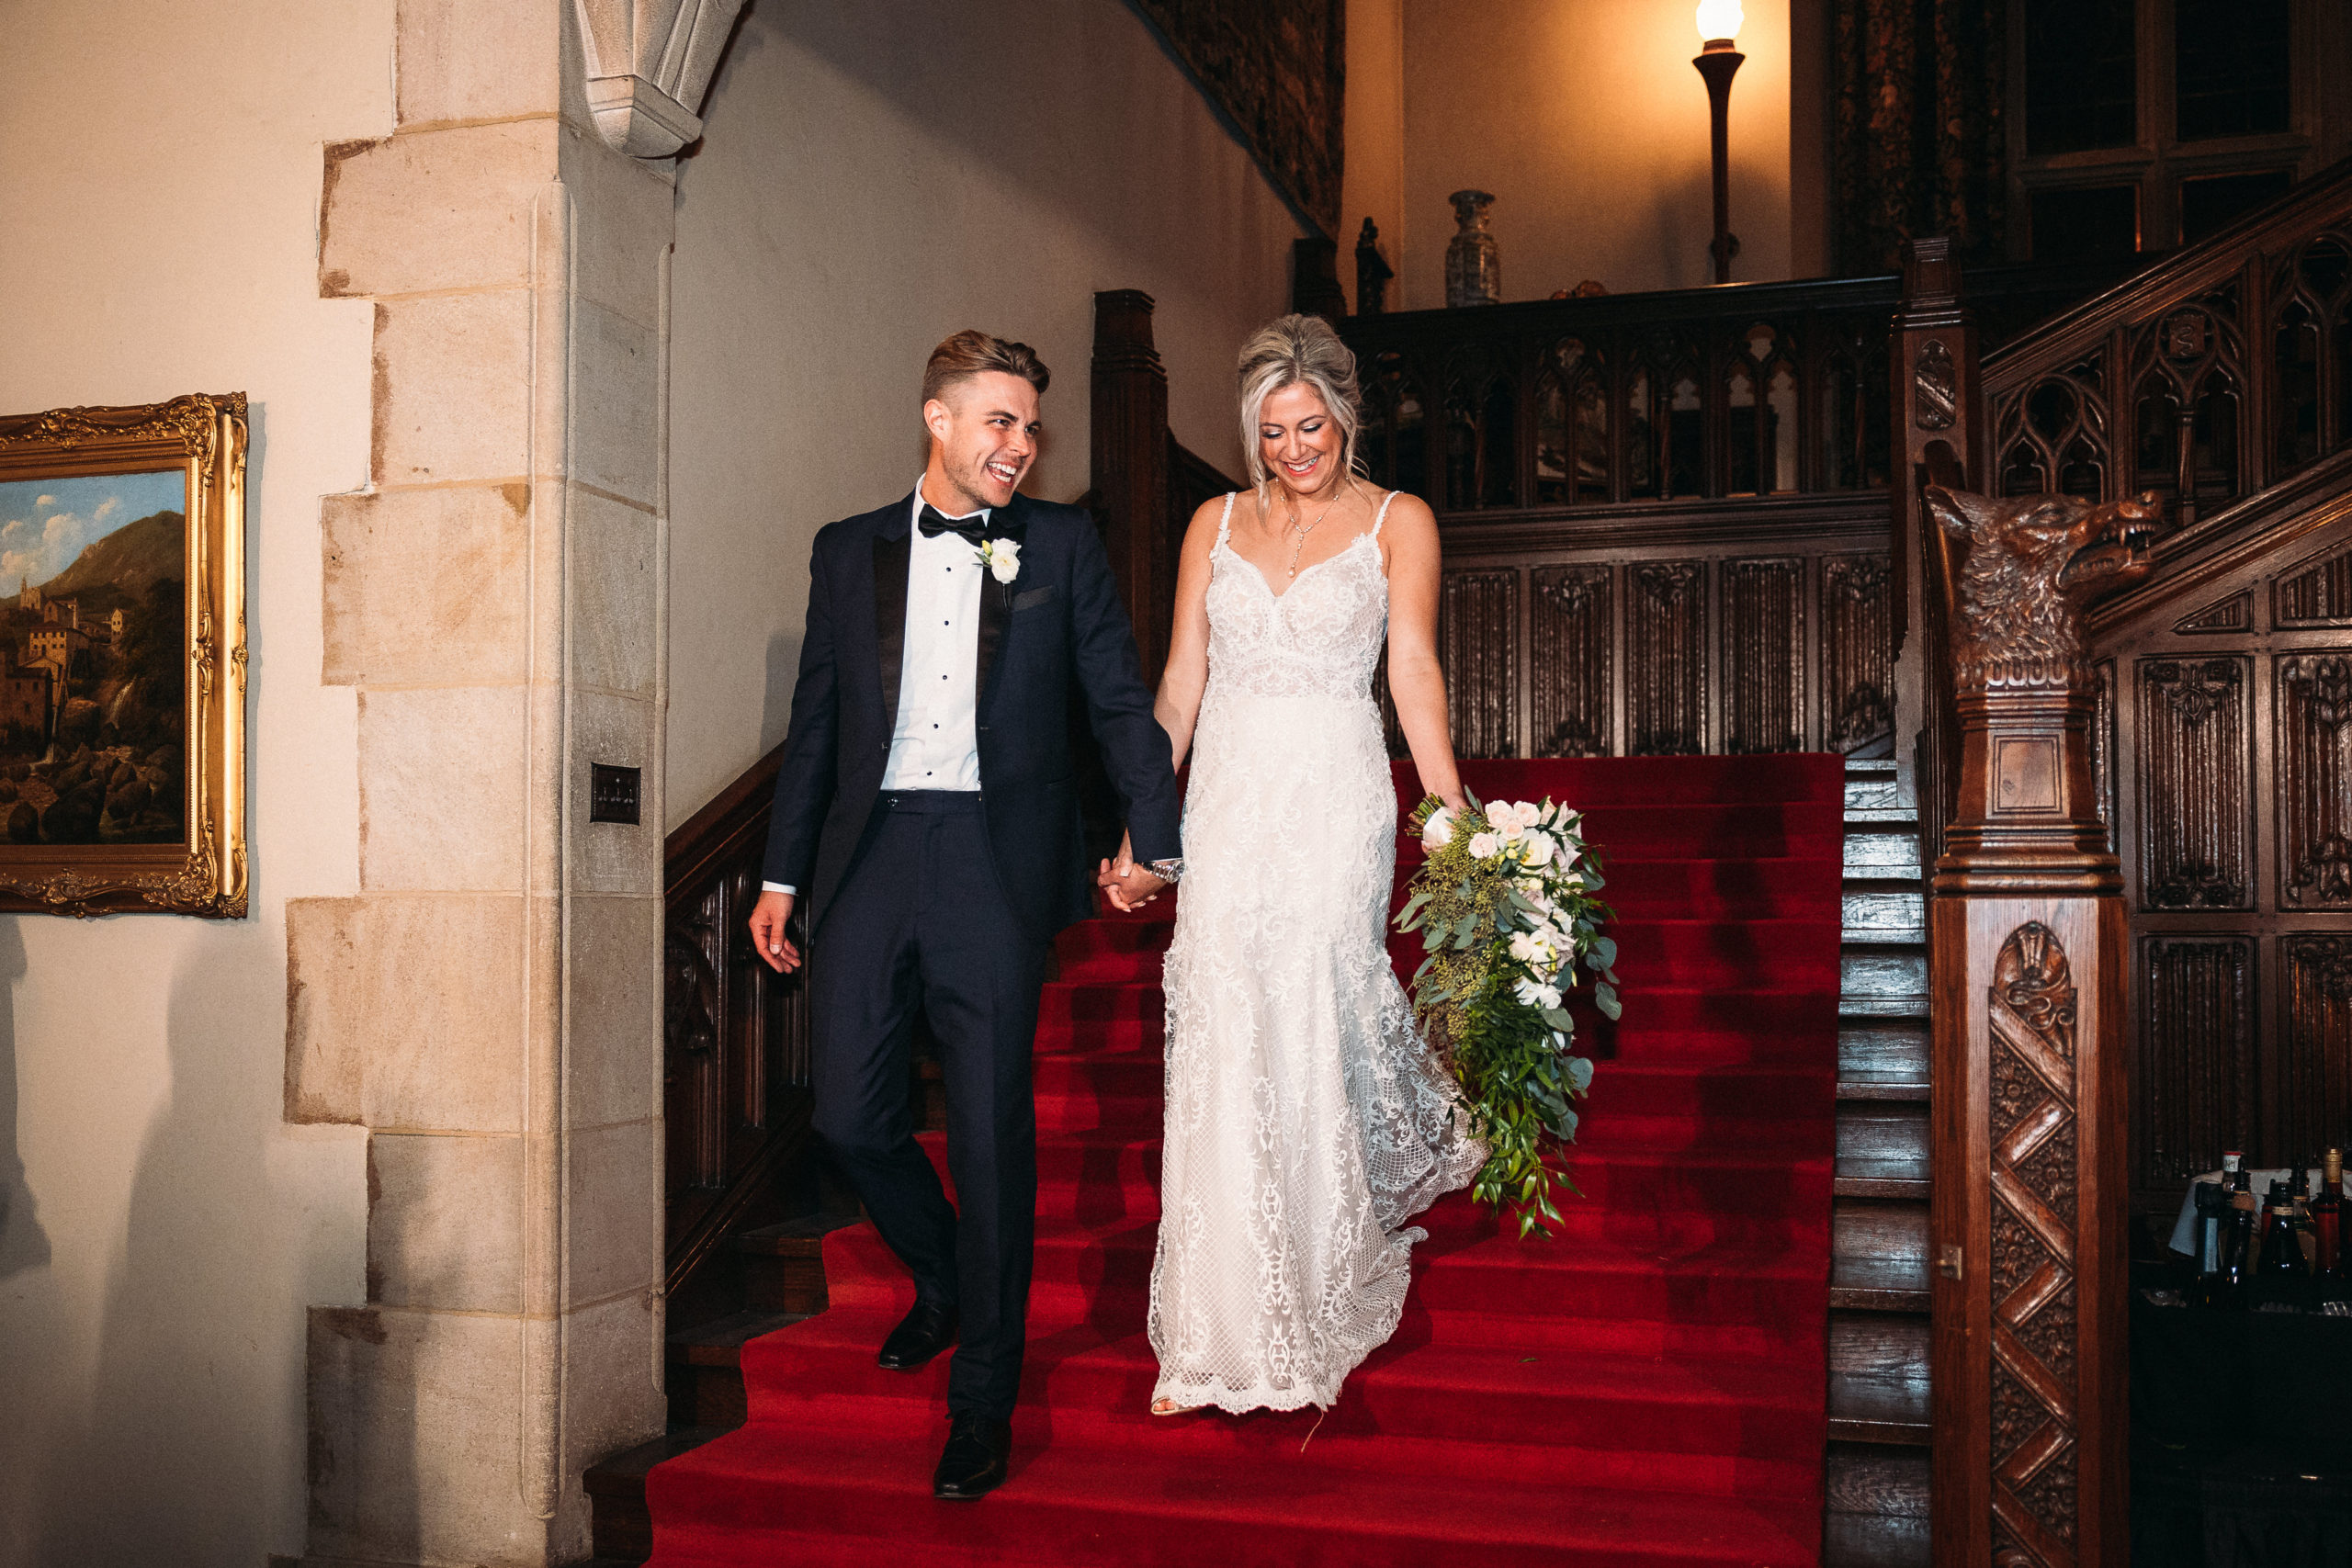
(2194, 1082)
(1572, 636)
(2315, 1066)
(2193, 717)
(2320, 595)
(1477, 628)
(1857, 654)
(2314, 695)
(1665, 658)
(1763, 655)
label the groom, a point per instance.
(926, 809)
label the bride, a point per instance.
(1306, 1120)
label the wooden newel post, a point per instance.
(1129, 429)
(2026, 936)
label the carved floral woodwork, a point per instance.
(2035, 1424)
(648, 63)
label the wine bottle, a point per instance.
(2212, 1223)
(2327, 1219)
(2282, 1253)
(2237, 1245)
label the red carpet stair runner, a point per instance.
(1646, 1388)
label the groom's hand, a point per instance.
(768, 940)
(1129, 885)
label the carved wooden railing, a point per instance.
(1664, 515)
(1146, 483)
(735, 1043)
(2082, 1003)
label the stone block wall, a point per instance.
(487, 1005)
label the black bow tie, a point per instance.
(936, 523)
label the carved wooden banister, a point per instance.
(735, 1047)
(1144, 483)
(2206, 378)
(2026, 968)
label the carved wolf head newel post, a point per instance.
(2026, 942)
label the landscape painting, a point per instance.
(94, 659)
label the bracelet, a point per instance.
(1168, 871)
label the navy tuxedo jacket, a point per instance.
(1057, 625)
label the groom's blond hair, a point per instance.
(974, 352)
(1298, 351)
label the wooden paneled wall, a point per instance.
(735, 1041)
(2231, 703)
(1720, 627)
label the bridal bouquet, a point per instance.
(1505, 905)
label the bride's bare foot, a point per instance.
(1164, 1407)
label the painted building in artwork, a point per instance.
(24, 693)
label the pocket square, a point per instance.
(1034, 597)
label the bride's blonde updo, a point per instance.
(1293, 351)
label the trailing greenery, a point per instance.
(1505, 903)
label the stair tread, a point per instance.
(1244, 1493)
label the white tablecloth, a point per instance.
(2184, 1229)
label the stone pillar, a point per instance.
(487, 1004)
(2026, 935)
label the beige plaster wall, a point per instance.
(1590, 127)
(162, 1228)
(854, 203)
(1372, 183)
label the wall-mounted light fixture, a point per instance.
(1718, 60)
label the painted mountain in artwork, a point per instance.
(126, 560)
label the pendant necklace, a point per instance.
(1298, 548)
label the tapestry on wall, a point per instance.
(1919, 136)
(1279, 73)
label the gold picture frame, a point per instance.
(122, 659)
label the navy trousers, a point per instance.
(921, 925)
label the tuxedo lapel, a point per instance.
(892, 546)
(996, 602)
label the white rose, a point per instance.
(1483, 847)
(1499, 813)
(1004, 559)
(1528, 813)
(1438, 831)
(1535, 849)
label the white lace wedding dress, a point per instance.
(1306, 1120)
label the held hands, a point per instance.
(768, 917)
(1129, 885)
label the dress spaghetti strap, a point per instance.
(1382, 516)
(1225, 523)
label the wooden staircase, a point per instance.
(1876, 1506)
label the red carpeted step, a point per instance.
(1658, 1362)
(768, 1495)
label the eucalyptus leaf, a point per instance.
(1604, 997)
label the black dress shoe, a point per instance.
(973, 1463)
(922, 1334)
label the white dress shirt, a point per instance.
(936, 742)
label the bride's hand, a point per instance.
(1129, 885)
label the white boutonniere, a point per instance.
(1002, 557)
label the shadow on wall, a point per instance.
(184, 1442)
(23, 1243)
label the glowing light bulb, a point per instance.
(1719, 19)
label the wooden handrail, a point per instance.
(2205, 379)
(735, 1035)
(1658, 398)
